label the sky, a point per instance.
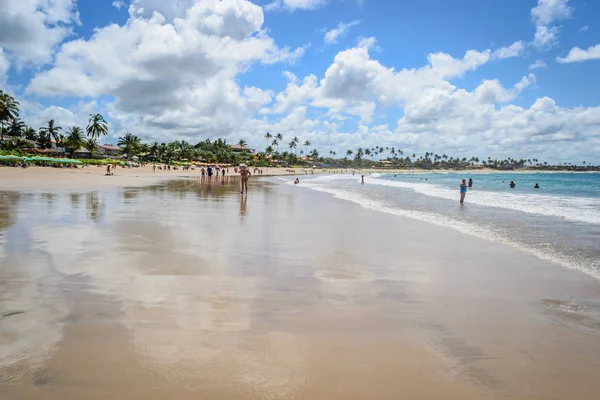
(510, 78)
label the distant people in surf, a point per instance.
(512, 184)
(463, 190)
(470, 183)
(362, 179)
(537, 186)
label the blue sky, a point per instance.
(237, 69)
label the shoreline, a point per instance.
(45, 178)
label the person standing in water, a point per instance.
(463, 190)
(537, 186)
(362, 179)
(244, 174)
(470, 183)
(512, 184)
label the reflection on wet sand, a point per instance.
(177, 291)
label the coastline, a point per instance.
(34, 178)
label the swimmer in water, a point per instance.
(537, 186)
(362, 179)
(470, 183)
(512, 184)
(463, 190)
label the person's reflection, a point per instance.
(243, 205)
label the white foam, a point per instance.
(578, 209)
(591, 268)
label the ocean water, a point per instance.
(559, 222)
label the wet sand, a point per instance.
(186, 290)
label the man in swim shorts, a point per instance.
(244, 174)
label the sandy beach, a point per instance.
(139, 285)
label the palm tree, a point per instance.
(348, 153)
(279, 137)
(307, 144)
(74, 140)
(16, 128)
(292, 145)
(90, 145)
(268, 137)
(154, 148)
(52, 131)
(9, 110)
(30, 134)
(97, 126)
(15, 144)
(129, 143)
(269, 150)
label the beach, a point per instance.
(165, 285)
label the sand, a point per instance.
(185, 289)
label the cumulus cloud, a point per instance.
(545, 37)
(178, 75)
(544, 15)
(578, 55)
(548, 11)
(342, 29)
(31, 29)
(537, 65)
(514, 50)
(583, 28)
(293, 5)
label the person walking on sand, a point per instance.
(244, 174)
(463, 190)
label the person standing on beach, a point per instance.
(210, 172)
(463, 190)
(244, 174)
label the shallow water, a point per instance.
(189, 290)
(559, 222)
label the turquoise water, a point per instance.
(560, 184)
(559, 222)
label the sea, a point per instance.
(559, 222)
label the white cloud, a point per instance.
(583, 28)
(118, 4)
(341, 30)
(545, 14)
(492, 92)
(177, 76)
(4, 66)
(537, 65)
(31, 29)
(514, 50)
(292, 5)
(548, 11)
(545, 37)
(578, 55)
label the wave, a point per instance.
(591, 268)
(577, 209)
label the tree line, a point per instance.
(292, 152)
